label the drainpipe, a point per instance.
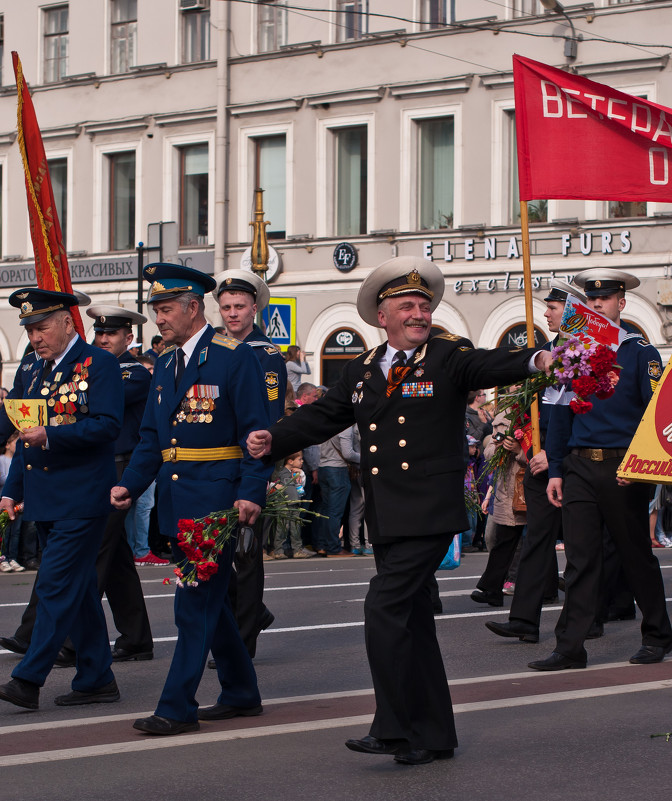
(222, 28)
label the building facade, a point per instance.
(375, 127)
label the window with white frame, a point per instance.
(55, 43)
(123, 35)
(351, 184)
(121, 207)
(527, 8)
(58, 172)
(195, 32)
(434, 13)
(435, 172)
(270, 174)
(350, 20)
(2, 43)
(194, 195)
(537, 210)
(271, 25)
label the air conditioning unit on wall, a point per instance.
(188, 5)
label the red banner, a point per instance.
(51, 261)
(583, 140)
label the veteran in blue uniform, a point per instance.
(207, 394)
(584, 452)
(408, 398)
(240, 295)
(117, 576)
(63, 473)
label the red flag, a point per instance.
(583, 140)
(51, 261)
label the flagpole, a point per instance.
(529, 319)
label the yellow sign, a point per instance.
(26, 413)
(649, 457)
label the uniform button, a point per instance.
(373, 448)
(374, 471)
(404, 465)
(174, 422)
(29, 467)
(402, 443)
(46, 469)
(174, 476)
(372, 427)
(44, 447)
(402, 419)
(26, 445)
(173, 441)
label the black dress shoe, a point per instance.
(525, 632)
(595, 631)
(224, 712)
(620, 614)
(372, 745)
(126, 655)
(648, 654)
(106, 694)
(158, 725)
(14, 644)
(32, 564)
(65, 658)
(556, 661)
(21, 693)
(423, 756)
(485, 597)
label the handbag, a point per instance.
(452, 558)
(518, 501)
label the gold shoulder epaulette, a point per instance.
(167, 350)
(227, 342)
(369, 355)
(449, 337)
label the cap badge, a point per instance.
(151, 270)
(414, 277)
(26, 308)
(228, 281)
(598, 284)
(22, 296)
(102, 318)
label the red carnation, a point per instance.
(584, 385)
(579, 406)
(206, 569)
(602, 361)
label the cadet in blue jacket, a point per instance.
(240, 295)
(63, 474)
(207, 394)
(584, 452)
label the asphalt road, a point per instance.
(580, 734)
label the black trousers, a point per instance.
(500, 557)
(593, 499)
(246, 592)
(538, 569)
(412, 696)
(117, 579)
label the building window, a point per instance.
(194, 195)
(58, 171)
(55, 43)
(270, 174)
(537, 210)
(625, 208)
(527, 8)
(1, 199)
(124, 33)
(122, 200)
(351, 180)
(195, 31)
(271, 25)
(434, 14)
(339, 348)
(436, 172)
(350, 19)
(516, 337)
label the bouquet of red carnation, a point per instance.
(202, 540)
(589, 368)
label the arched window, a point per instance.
(516, 337)
(339, 347)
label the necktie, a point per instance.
(396, 373)
(48, 367)
(179, 366)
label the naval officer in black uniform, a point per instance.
(408, 398)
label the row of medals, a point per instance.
(66, 396)
(196, 410)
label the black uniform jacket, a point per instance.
(413, 441)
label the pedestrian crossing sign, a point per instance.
(280, 320)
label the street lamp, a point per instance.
(571, 44)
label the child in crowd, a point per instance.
(12, 533)
(288, 539)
